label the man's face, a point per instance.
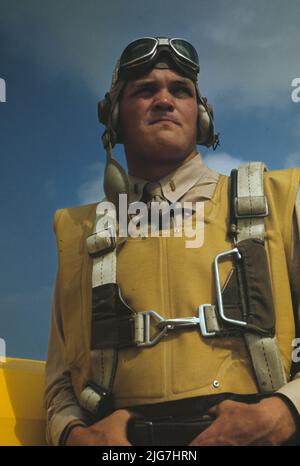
(158, 115)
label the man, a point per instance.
(156, 110)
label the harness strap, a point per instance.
(251, 204)
(245, 304)
(101, 245)
(251, 208)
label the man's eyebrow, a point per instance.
(187, 82)
(143, 82)
(148, 82)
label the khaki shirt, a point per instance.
(192, 181)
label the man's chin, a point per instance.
(167, 138)
(168, 149)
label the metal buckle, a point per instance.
(179, 322)
(147, 340)
(219, 290)
(263, 214)
(164, 325)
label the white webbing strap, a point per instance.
(251, 208)
(251, 204)
(266, 361)
(103, 361)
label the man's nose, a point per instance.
(163, 101)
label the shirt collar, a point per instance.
(177, 183)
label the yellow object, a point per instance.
(162, 274)
(22, 416)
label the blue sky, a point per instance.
(56, 58)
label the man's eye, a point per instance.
(144, 91)
(182, 90)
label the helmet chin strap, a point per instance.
(115, 177)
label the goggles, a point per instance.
(143, 52)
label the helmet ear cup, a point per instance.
(115, 117)
(205, 134)
(109, 117)
(211, 110)
(203, 124)
(104, 109)
(115, 124)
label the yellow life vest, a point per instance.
(162, 274)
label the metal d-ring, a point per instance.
(219, 290)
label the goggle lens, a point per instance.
(186, 51)
(138, 50)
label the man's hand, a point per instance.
(269, 422)
(110, 431)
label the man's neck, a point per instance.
(156, 171)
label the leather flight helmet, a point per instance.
(138, 58)
(108, 108)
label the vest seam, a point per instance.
(165, 292)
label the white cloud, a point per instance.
(223, 162)
(91, 190)
(293, 160)
(248, 60)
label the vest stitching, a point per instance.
(265, 356)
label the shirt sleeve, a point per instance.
(62, 408)
(292, 389)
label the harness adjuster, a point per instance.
(101, 242)
(202, 321)
(95, 399)
(251, 210)
(142, 328)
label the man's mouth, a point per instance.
(164, 119)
